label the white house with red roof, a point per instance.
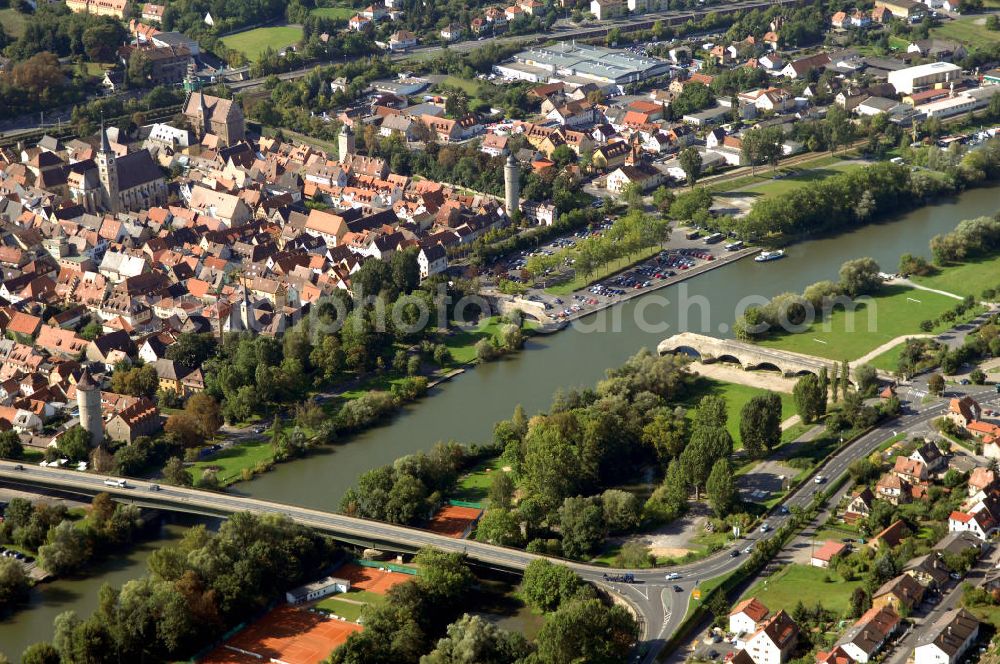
(746, 615)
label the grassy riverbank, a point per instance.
(896, 311)
(970, 278)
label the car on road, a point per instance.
(18, 467)
(819, 479)
(734, 553)
(678, 589)
(764, 527)
(672, 576)
(748, 549)
(783, 509)
(154, 487)
(955, 575)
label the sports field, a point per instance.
(452, 521)
(253, 42)
(896, 311)
(790, 181)
(371, 579)
(286, 634)
(968, 30)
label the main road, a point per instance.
(660, 607)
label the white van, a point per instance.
(116, 483)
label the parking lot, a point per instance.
(684, 251)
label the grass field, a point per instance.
(736, 397)
(13, 22)
(462, 343)
(765, 185)
(340, 13)
(785, 589)
(253, 42)
(970, 278)
(969, 30)
(470, 86)
(233, 460)
(895, 312)
(474, 486)
(338, 607)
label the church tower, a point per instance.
(345, 142)
(204, 116)
(107, 172)
(512, 185)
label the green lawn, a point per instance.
(970, 278)
(338, 607)
(474, 486)
(462, 343)
(969, 30)
(896, 311)
(13, 22)
(253, 42)
(470, 86)
(579, 282)
(889, 360)
(765, 185)
(804, 582)
(342, 13)
(736, 397)
(233, 460)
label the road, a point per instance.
(661, 609)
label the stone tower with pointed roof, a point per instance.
(88, 399)
(107, 173)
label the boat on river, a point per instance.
(766, 256)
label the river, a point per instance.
(465, 408)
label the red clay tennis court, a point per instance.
(370, 578)
(284, 635)
(453, 521)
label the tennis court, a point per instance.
(455, 522)
(287, 635)
(370, 578)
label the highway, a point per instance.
(661, 609)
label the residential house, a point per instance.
(866, 637)
(494, 145)
(904, 9)
(604, 10)
(800, 68)
(774, 642)
(892, 489)
(929, 570)
(432, 259)
(890, 537)
(909, 470)
(643, 175)
(964, 410)
(930, 455)
(982, 524)
(860, 505)
(610, 156)
(746, 615)
(902, 593)
(981, 480)
(402, 40)
(948, 639)
(822, 556)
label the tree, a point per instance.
(690, 161)
(136, 381)
(622, 510)
(707, 446)
(10, 445)
(185, 429)
(834, 382)
(587, 631)
(14, 583)
(810, 398)
(192, 350)
(936, 384)
(473, 640)
(140, 68)
(760, 424)
(74, 443)
(866, 378)
(205, 411)
(40, 653)
(712, 412)
(977, 376)
(499, 526)
(721, 488)
(667, 433)
(66, 551)
(546, 586)
(176, 473)
(860, 277)
(502, 489)
(581, 521)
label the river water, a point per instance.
(466, 408)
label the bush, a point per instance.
(365, 410)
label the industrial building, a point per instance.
(580, 64)
(909, 80)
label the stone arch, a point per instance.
(765, 366)
(730, 358)
(689, 351)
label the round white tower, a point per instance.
(88, 399)
(512, 185)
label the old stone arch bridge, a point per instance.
(749, 356)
